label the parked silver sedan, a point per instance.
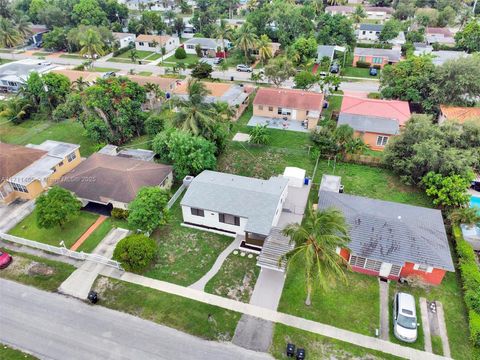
(404, 317)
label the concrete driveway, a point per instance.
(11, 215)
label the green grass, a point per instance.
(103, 69)
(437, 346)
(26, 269)
(94, 239)
(153, 57)
(320, 347)
(141, 55)
(184, 254)
(7, 353)
(449, 293)
(73, 56)
(120, 60)
(190, 59)
(37, 131)
(196, 318)
(145, 73)
(236, 278)
(71, 231)
(334, 104)
(4, 61)
(353, 306)
(359, 72)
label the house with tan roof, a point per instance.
(459, 114)
(155, 43)
(27, 171)
(439, 35)
(288, 109)
(124, 39)
(375, 121)
(113, 180)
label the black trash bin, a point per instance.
(290, 350)
(231, 78)
(93, 297)
(300, 354)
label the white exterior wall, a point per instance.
(368, 35)
(124, 42)
(188, 50)
(211, 220)
(170, 45)
(278, 212)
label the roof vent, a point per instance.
(399, 217)
(187, 180)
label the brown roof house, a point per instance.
(113, 180)
(27, 171)
(155, 43)
(459, 114)
(295, 110)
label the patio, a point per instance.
(273, 123)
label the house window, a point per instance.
(424, 268)
(365, 263)
(282, 111)
(364, 32)
(382, 140)
(71, 157)
(357, 261)
(229, 219)
(373, 265)
(395, 270)
(377, 60)
(190, 47)
(260, 107)
(18, 187)
(279, 111)
(270, 108)
(197, 212)
(141, 43)
(61, 164)
(362, 58)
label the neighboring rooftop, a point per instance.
(439, 31)
(340, 8)
(371, 27)
(15, 158)
(460, 114)
(289, 98)
(74, 75)
(56, 149)
(367, 123)
(388, 109)
(122, 35)
(392, 232)
(251, 198)
(206, 43)
(113, 178)
(19, 70)
(160, 39)
(138, 154)
(393, 55)
(233, 94)
(385, 9)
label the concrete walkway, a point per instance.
(274, 316)
(200, 284)
(426, 324)
(89, 231)
(443, 329)
(384, 310)
(79, 283)
(11, 215)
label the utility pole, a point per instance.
(474, 6)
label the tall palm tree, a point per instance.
(246, 39)
(223, 32)
(359, 14)
(24, 27)
(9, 35)
(133, 55)
(91, 44)
(316, 242)
(264, 48)
(80, 84)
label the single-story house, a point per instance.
(124, 39)
(299, 109)
(235, 95)
(234, 205)
(27, 171)
(369, 32)
(380, 57)
(14, 74)
(137, 154)
(328, 51)
(380, 13)
(155, 43)
(399, 40)
(153, 5)
(36, 37)
(114, 180)
(438, 57)
(210, 47)
(392, 240)
(340, 10)
(375, 121)
(459, 114)
(439, 35)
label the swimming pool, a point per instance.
(475, 201)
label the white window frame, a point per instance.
(424, 268)
(382, 140)
(72, 156)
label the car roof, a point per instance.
(406, 302)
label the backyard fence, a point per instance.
(62, 251)
(175, 196)
(364, 159)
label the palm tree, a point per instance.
(194, 114)
(9, 35)
(316, 242)
(91, 44)
(154, 89)
(80, 84)
(224, 110)
(17, 110)
(246, 39)
(24, 27)
(359, 14)
(133, 55)
(264, 48)
(223, 32)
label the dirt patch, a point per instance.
(36, 269)
(19, 266)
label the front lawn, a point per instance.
(35, 271)
(27, 228)
(184, 254)
(190, 59)
(7, 353)
(353, 306)
(73, 56)
(145, 73)
(103, 69)
(236, 278)
(190, 316)
(141, 55)
(359, 72)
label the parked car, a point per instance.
(404, 317)
(335, 68)
(217, 61)
(373, 71)
(244, 68)
(5, 259)
(108, 74)
(322, 74)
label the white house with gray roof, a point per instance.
(209, 46)
(369, 32)
(14, 74)
(234, 205)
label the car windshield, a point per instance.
(408, 322)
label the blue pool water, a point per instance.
(475, 201)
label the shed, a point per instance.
(295, 176)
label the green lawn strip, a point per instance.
(103, 69)
(4, 61)
(71, 231)
(320, 347)
(140, 54)
(236, 278)
(449, 293)
(5, 51)
(7, 353)
(193, 317)
(437, 346)
(97, 236)
(145, 73)
(359, 72)
(353, 306)
(120, 60)
(373, 182)
(334, 104)
(184, 254)
(73, 56)
(153, 57)
(190, 59)
(35, 271)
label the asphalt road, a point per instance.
(55, 327)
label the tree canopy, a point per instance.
(148, 210)
(56, 208)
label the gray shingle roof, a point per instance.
(254, 199)
(392, 232)
(392, 54)
(371, 27)
(206, 43)
(373, 124)
(325, 51)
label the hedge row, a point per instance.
(375, 46)
(123, 50)
(470, 273)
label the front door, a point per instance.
(385, 270)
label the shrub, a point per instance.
(378, 67)
(474, 324)
(180, 53)
(374, 95)
(123, 50)
(363, 64)
(472, 299)
(470, 275)
(154, 124)
(135, 252)
(465, 251)
(119, 213)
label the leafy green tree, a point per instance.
(180, 53)
(154, 124)
(223, 32)
(259, 135)
(179, 25)
(305, 80)
(447, 191)
(53, 17)
(16, 110)
(335, 30)
(390, 30)
(469, 37)
(246, 39)
(359, 14)
(465, 215)
(291, 21)
(133, 55)
(9, 35)
(57, 87)
(89, 12)
(91, 44)
(306, 48)
(316, 242)
(405, 9)
(55, 39)
(189, 154)
(135, 252)
(148, 210)
(426, 17)
(279, 69)
(447, 16)
(57, 207)
(202, 70)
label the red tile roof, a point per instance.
(294, 99)
(392, 109)
(460, 114)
